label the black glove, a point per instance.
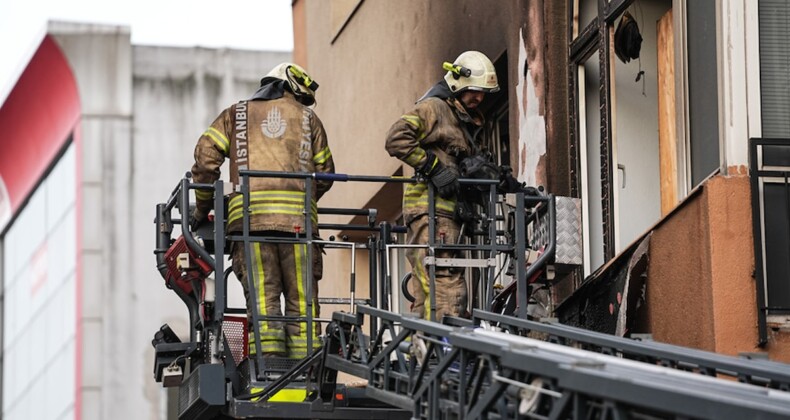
(509, 184)
(445, 180)
(197, 218)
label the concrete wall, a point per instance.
(144, 109)
(100, 57)
(177, 93)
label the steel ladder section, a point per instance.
(472, 373)
(757, 372)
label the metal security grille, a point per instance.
(570, 250)
(235, 330)
(770, 187)
(202, 393)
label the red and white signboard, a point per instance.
(37, 118)
(5, 204)
(41, 234)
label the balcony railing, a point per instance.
(769, 172)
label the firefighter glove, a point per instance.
(197, 218)
(509, 184)
(532, 191)
(445, 179)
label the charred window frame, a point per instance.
(495, 136)
(596, 36)
(703, 146)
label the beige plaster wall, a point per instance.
(387, 54)
(384, 58)
(700, 290)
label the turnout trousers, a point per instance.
(275, 270)
(451, 293)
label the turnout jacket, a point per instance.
(269, 135)
(439, 124)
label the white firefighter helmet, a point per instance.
(472, 70)
(301, 84)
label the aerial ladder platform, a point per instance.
(498, 364)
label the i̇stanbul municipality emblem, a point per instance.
(273, 126)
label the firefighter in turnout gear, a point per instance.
(275, 130)
(433, 138)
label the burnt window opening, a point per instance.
(589, 35)
(495, 136)
(592, 34)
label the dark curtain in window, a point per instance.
(703, 88)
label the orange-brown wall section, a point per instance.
(700, 289)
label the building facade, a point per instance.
(656, 147)
(102, 130)
(681, 242)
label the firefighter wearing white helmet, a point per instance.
(275, 130)
(299, 82)
(433, 138)
(472, 70)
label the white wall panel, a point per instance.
(68, 415)
(9, 323)
(60, 188)
(9, 379)
(40, 313)
(28, 230)
(68, 322)
(37, 342)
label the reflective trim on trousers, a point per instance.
(272, 336)
(297, 346)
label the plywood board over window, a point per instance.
(667, 132)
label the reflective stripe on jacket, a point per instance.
(433, 125)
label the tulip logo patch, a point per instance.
(273, 126)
